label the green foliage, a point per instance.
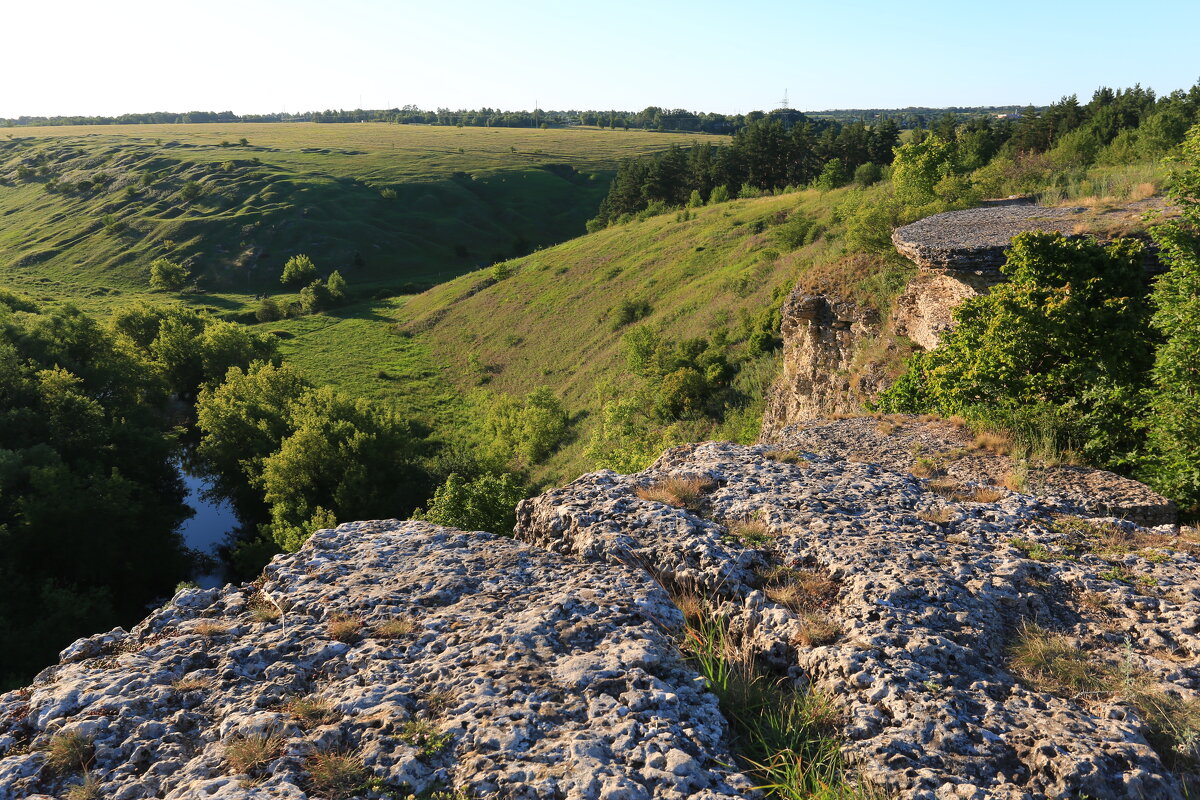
(298, 269)
(629, 311)
(868, 174)
(487, 503)
(833, 175)
(89, 499)
(1174, 419)
(190, 349)
(316, 455)
(798, 231)
(337, 287)
(315, 297)
(919, 166)
(268, 310)
(341, 459)
(523, 431)
(1065, 335)
(167, 276)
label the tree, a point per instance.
(918, 166)
(243, 421)
(337, 287)
(343, 459)
(268, 310)
(89, 499)
(1174, 425)
(526, 430)
(315, 297)
(298, 269)
(1065, 336)
(167, 276)
(487, 503)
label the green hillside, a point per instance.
(84, 210)
(553, 318)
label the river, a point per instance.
(208, 529)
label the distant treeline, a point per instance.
(769, 153)
(650, 118)
(787, 148)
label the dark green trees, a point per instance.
(89, 499)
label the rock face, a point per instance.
(820, 339)
(900, 441)
(959, 255)
(465, 661)
(934, 595)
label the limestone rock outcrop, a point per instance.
(934, 589)
(424, 657)
(972, 242)
(820, 340)
(901, 442)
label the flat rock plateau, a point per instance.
(938, 615)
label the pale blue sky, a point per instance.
(96, 57)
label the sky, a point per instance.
(67, 57)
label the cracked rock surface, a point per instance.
(466, 661)
(932, 594)
(899, 441)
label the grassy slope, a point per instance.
(464, 197)
(551, 322)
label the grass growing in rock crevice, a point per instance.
(1051, 662)
(785, 738)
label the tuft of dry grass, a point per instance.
(190, 683)
(816, 630)
(263, 610)
(752, 532)
(210, 628)
(925, 468)
(1052, 663)
(1017, 478)
(953, 490)
(692, 606)
(439, 701)
(958, 422)
(336, 775)
(886, 427)
(799, 589)
(993, 442)
(312, 712)
(1097, 601)
(345, 628)
(938, 516)
(794, 457)
(396, 628)
(245, 755)
(677, 491)
(88, 790)
(68, 752)
(983, 494)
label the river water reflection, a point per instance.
(209, 528)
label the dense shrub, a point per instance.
(487, 503)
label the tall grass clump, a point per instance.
(786, 738)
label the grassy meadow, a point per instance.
(84, 210)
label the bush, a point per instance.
(487, 503)
(868, 174)
(268, 310)
(336, 286)
(630, 311)
(167, 276)
(720, 194)
(298, 269)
